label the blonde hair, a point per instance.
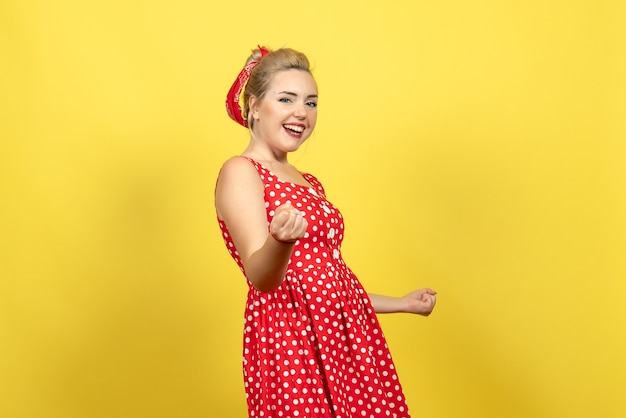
(261, 76)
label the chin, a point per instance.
(292, 145)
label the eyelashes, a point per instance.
(289, 100)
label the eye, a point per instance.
(284, 100)
(311, 104)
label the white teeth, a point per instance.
(294, 128)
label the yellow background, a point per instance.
(475, 147)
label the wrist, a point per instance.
(403, 304)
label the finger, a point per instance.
(302, 226)
(294, 226)
(299, 225)
(284, 223)
(280, 226)
(286, 207)
(281, 219)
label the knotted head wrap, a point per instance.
(232, 98)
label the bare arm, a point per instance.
(421, 302)
(240, 204)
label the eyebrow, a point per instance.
(290, 93)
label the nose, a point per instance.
(300, 111)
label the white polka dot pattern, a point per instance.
(314, 347)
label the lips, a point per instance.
(294, 129)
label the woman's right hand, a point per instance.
(288, 225)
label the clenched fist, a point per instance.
(288, 225)
(422, 301)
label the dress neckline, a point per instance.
(306, 176)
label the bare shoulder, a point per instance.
(237, 166)
(237, 172)
(237, 184)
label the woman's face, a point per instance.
(287, 114)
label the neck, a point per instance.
(257, 151)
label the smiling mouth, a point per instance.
(297, 129)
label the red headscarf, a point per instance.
(232, 98)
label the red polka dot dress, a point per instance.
(313, 347)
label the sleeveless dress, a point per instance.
(313, 347)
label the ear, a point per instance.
(254, 104)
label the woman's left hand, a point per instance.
(421, 302)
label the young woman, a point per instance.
(313, 346)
